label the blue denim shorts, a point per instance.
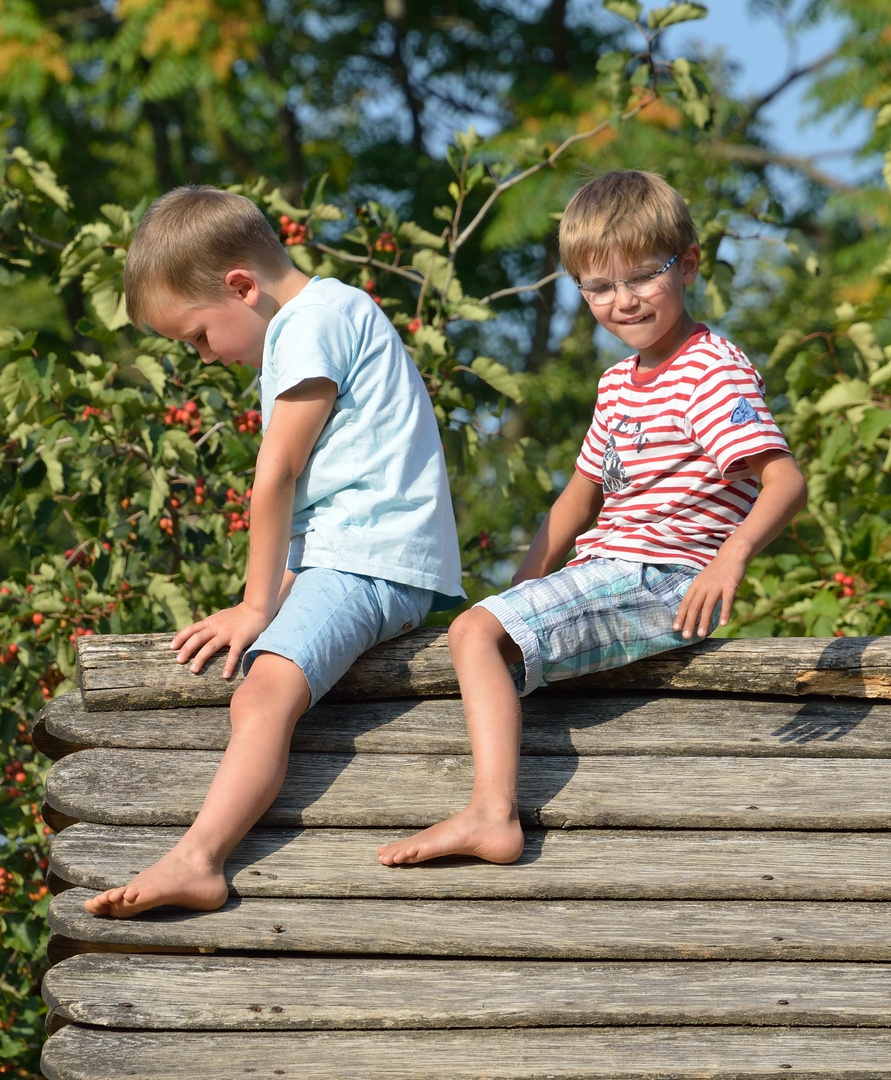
(600, 614)
(331, 617)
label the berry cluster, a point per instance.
(414, 326)
(239, 511)
(7, 888)
(77, 556)
(249, 421)
(385, 242)
(9, 653)
(165, 524)
(292, 232)
(846, 583)
(81, 631)
(200, 491)
(485, 541)
(49, 680)
(369, 288)
(15, 775)
(91, 410)
(186, 416)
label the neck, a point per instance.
(649, 359)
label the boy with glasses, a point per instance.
(663, 508)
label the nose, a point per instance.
(629, 299)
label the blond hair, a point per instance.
(187, 242)
(635, 213)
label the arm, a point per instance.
(297, 420)
(783, 493)
(576, 508)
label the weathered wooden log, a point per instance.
(162, 993)
(582, 724)
(134, 672)
(165, 787)
(556, 864)
(561, 929)
(571, 1053)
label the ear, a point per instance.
(244, 284)
(690, 263)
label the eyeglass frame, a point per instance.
(623, 281)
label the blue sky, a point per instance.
(755, 43)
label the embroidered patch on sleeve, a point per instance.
(743, 413)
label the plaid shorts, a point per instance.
(600, 614)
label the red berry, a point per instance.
(37, 618)
(839, 577)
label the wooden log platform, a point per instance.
(705, 889)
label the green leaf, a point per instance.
(160, 489)
(470, 309)
(434, 339)
(628, 9)
(177, 449)
(153, 371)
(43, 177)
(695, 100)
(718, 289)
(881, 375)
(874, 423)
(787, 342)
(54, 473)
(660, 18)
(864, 338)
(498, 377)
(174, 602)
(410, 233)
(843, 394)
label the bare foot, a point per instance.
(497, 840)
(173, 879)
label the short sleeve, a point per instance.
(728, 416)
(319, 343)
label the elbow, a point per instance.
(801, 500)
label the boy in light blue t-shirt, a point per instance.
(353, 537)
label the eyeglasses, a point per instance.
(641, 282)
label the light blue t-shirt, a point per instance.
(374, 496)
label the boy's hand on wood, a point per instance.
(236, 627)
(716, 584)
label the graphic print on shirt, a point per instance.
(743, 413)
(634, 431)
(614, 476)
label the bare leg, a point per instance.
(489, 826)
(264, 710)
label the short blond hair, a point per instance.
(629, 211)
(187, 242)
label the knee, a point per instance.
(245, 708)
(474, 629)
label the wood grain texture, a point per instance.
(592, 1053)
(132, 671)
(165, 787)
(566, 929)
(255, 994)
(584, 724)
(570, 864)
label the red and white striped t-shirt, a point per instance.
(669, 447)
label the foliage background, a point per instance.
(126, 466)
